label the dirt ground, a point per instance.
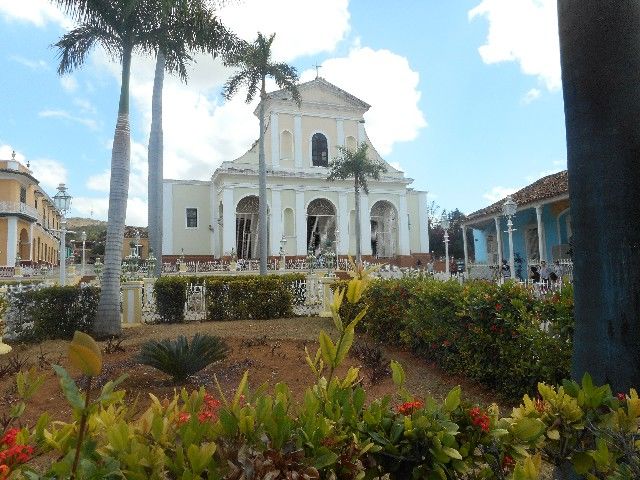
(272, 351)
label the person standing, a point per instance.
(506, 270)
(544, 272)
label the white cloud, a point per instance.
(556, 166)
(49, 172)
(37, 12)
(386, 81)
(304, 27)
(498, 193)
(523, 31)
(87, 122)
(30, 64)
(69, 83)
(85, 106)
(530, 96)
(7, 150)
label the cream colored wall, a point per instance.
(415, 223)
(285, 122)
(195, 241)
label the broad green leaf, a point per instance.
(528, 429)
(324, 457)
(582, 462)
(328, 348)
(241, 388)
(69, 388)
(453, 399)
(344, 345)
(397, 373)
(452, 452)
(84, 354)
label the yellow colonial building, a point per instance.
(27, 218)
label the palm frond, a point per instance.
(355, 163)
(75, 45)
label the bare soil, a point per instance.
(271, 350)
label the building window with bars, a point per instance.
(192, 218)
(319, 150)
(23, 195)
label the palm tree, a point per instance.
(192, 23)
(120, 27)
(255, 65)
(600, 58)
(355, 164)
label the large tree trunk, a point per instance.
(358, 226)
(155, 165)
(600, 56)
(108, 316)
(262, 189)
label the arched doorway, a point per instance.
(384, 229)
(25, 245)
(321, 225)
(247, 228)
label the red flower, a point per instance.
(183, 417)
(407, 408)
(480, 419)
(540, 405)
(498, 307)
(508, 462)
(446, 343)
(9, 437)
(16, 454)
(209, 411)
(622, 397)
(4, 472)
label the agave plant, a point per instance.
(181, 359)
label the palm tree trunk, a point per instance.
(600, 57)
(358, 226)
(155, 159)
(262, 188)
(108, 315)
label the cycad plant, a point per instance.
(181, 359)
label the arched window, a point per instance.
(321, 226)
(350, 143)
(289, 223)
(319, 150)
(286, 145)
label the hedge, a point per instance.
(501, 336)
(51, 312)
(229, 297)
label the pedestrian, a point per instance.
(453, 267)
(506, 270)
(544, 272)
(535, 275)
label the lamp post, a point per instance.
(509, 210)
(62, 202)
(83, 236)
(283, 258)
(444, 223)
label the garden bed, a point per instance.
(271, 350)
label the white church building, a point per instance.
(219, 217)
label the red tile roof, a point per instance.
(551, 186)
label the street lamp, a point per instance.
(83, 236)
(62, 201)
(509, 210)
(445, 224)
(283, 258)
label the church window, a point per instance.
(289, 223)
(321, 226)
(319, 150)
(350, 143)
(23, 195)
(192, 217)
(286, 145)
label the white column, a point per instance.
(361, 134)
(12, 240)
(365, 224)
(297, 140)
(541, 239)
(213, 231)
(340, 129)
(465, 247)
(343, 224)
(403, 247)
(301, 225)
(275, 140)
(228, 222)
(31, 242)
(167, 220)
(275, 225)
(423, 222)
(498, 239)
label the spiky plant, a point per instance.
(181, 359)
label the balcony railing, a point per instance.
(19, 208)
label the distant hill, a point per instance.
(97, 229)
(75, 222)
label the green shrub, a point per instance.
(181, 359)
(170, 295)
(52, 312)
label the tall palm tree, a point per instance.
(120, 27)
(357, 165)
(600, 58)
(255, 65)
(193, 23)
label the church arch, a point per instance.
(286, 145)
(289, 222)
(247, 227)
(321, 225)
(351, 143)
(384, 229)
(319, 150)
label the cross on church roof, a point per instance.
(318, 67)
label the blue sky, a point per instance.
(465, 95)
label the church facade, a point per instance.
(219, 217)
